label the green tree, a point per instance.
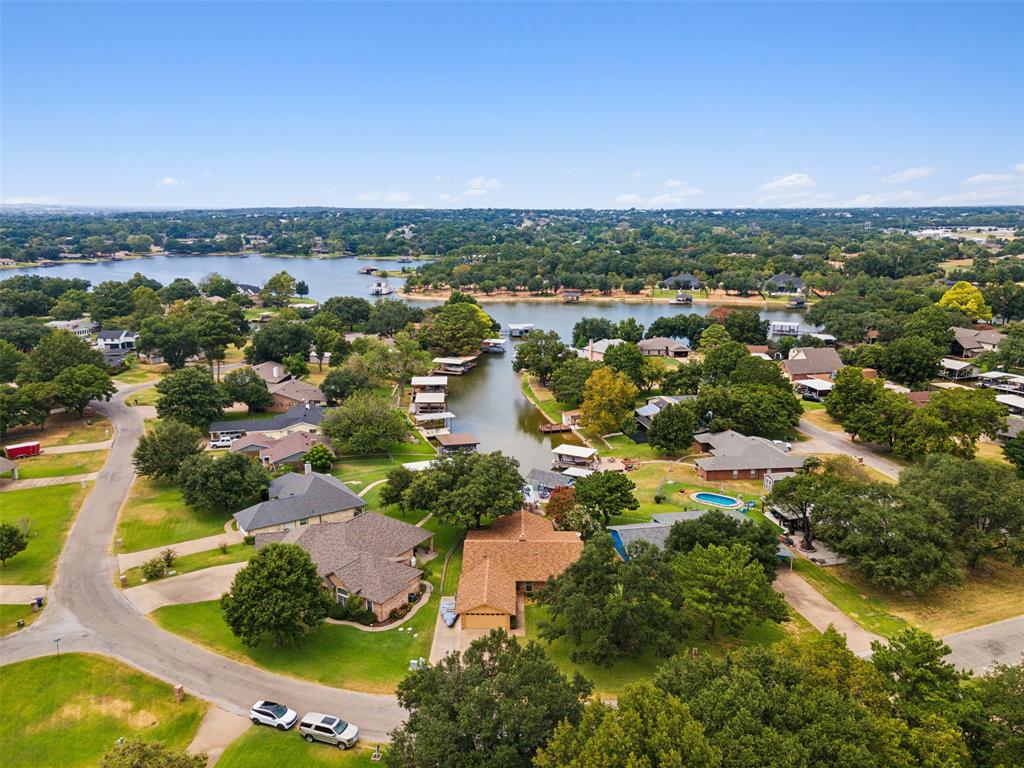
(539, 354)
(721, 361)
(365, 423)
(227, 483)
(751, 409)
(12, 541)
(683, 380)
(214, 332)
(179, 289)
(965, 298)
(462, 489)
(215, 284)
(850, 392)
(76, 387)
(341, 383)
(746, 327)
(350, 310)
(569, 378)
(608, 400)
(999, 692)
(320, 458)
(627, 359)
(278, 594)
(55, 352)
(389, 316)
(278, 339)
(324, 342)
(606, 494)
(912, 361)
(278, 290)
(110, 299)
(1013, 450)
(190, 396)
(795, 496)
(628, 329)
(145, 303)
(399, 361)
(589, 329)
(646, 728)
(713, 336)
(725, 591)
(672, 428)
(496, 704)
(296, 364)
(135, 753)
(10, 360)
(916, 677)
(302, 288)
(71, 305)
(717, 528)
(456, 329)
(393, 491)
(174, 337)
(244, 385)
(160, 453)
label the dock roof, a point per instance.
(576, 451)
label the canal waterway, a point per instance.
(487, 402)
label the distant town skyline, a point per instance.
(704, 105)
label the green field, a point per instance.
(61, 464)
(236, 553)
(869, 612)
(154, 515)
(50, 510)
(9, 615)
(267, 747)
(68, 711)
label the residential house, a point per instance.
(292, 392)
(567, 455)
(82, 327)
(249, 291)
(295, 500)
(299, 418)
(740, 457)
(683, 281)
(661, 346)
(814, 389)
(919, 398)
(595, 350)
(784, 281)
(116, 339)
(505, 563)
(958, 370)
(810, 362)
(1014, 403)
(369, 558)
(645, 414)
(281, 451)
(457, 442)
(544, 481)
(271, 372)
(968, 342)
(1014, 427)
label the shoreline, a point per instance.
(616, 297)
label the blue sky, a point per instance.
(512, 105)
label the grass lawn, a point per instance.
(671, 478)
(819, 418)
(609, 681)
(61, 464)
(868, 611)
(623, 447)
(265, 746)
(186, 563)
(9, 615)
(64, 429)
(341, 656)
(992, 452)
(541, 397)
(992, 593)
(811, 406)
(51, 510)
(138, 373)
(147, 396)
(154, 515)
(69, 711)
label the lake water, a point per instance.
(487, 402)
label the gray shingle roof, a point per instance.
(295, 497)
(740, 452)
(808, 360)
(297, 414)
(546, 478)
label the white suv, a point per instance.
(272, 713)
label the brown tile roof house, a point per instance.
(919, 398)
(273, 451)
(368, 558)
(809, 361)
(739, 457)
(296, 500)
(271, 372)
(293, 392)
(513, 555)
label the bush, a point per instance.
(340, 612)
(659, 498)
(168, 556)
(153, 569)
(400, 611)
(249, 540)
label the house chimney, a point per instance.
(307, 468)
(274, 372)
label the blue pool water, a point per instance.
(715, 499)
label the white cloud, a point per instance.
(988, 189)
(1018, 168)
(628, 200)
(391, 196)
(901, 197)
(474, 192)
(673, 199)
(787, 184)
(169, 181)
(30, 200)
(673, 183)
(483, 183)
(988, 179)
(911, 174)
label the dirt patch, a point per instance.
(87, 706)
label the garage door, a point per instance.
(485, 621)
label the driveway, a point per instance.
(840, 442)
(40, 482)
(811, 604)
(87, 613)
(20, 594)
(194, 587)
(205, 544)
(977, 649)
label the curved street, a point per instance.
(87, 613)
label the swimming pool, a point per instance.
(716, 499)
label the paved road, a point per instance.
(980, 647)
(840, 442)
(87, 613)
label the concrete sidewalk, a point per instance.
(205, 544)
(216, 731)
(77, 447)
(40, 482)
(20, 594)
(194, 587)
(812, 605)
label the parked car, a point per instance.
(448, 611)
(224, 441)
(783, 445)
(330, 730)
(272, 713)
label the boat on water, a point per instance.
(381, 288)
(366, 270)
